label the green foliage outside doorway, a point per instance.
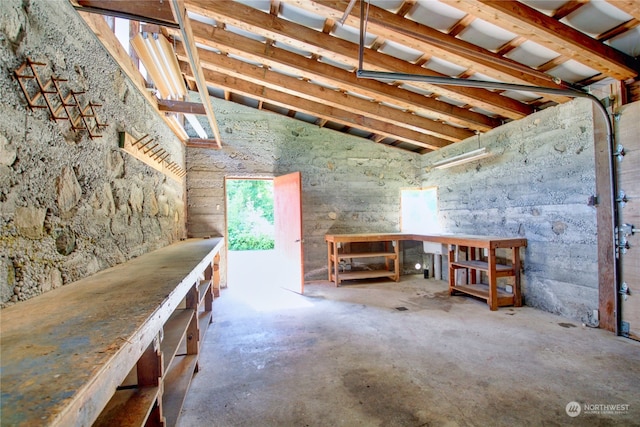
(250, 214)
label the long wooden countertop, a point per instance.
(474, 241)
(64, 353)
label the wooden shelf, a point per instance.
(174, 332)
(177, 382)
(204, 319)
(128, 408)
(366, 274)
(389, 255)
(482, 291)
(136, 309)
(501, 269)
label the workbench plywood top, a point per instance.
(57, 346)
(475, 241)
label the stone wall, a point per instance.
(349, 184)
(536, 185)
(71, 205)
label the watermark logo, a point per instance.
(573, 409)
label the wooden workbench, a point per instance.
(472, 245)
(64, 353)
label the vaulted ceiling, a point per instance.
(301, 58)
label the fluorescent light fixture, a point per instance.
(195, 124)
(460, 159)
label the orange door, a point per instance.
(287, 204)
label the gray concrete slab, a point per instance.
(351, 356)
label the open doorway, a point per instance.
(264, 235)
(250, 233)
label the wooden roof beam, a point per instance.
(296, 87)
(555, 35)
(322, 111)
(344, 51)
(180, 14)
(429, 40)
(313, 70)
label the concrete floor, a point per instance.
(350, 356)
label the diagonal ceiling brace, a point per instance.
(180, 14)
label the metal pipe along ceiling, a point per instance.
(452, 81)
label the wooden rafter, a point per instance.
(313, 70)
(299, 36)
(555, 35)
(180, 14)
(322, 110)
(296, 87)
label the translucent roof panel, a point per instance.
(244, 33)
(596, 17)
(292, 49)
(451, 101)
(482, 33)
(285, 73)
(572, 71)
(532, 54)
(263, 5)
(627, 42)
(390, 5)
(357, 95)
(243, 59)
(415, 89)
(545, 6)
(444, 67)
(301, 16)
(399, 51)
(337, 64)
(521, 96)
(352, 34)
(200, 18)
(435, 14)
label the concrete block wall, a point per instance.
(536, 185)
(70, 205)
(349, 184)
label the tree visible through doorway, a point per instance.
(250, 223)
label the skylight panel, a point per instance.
(263, 5)
(337, 64)
(522, 96)
(415, 89)
(390, 5)
(200, 18)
